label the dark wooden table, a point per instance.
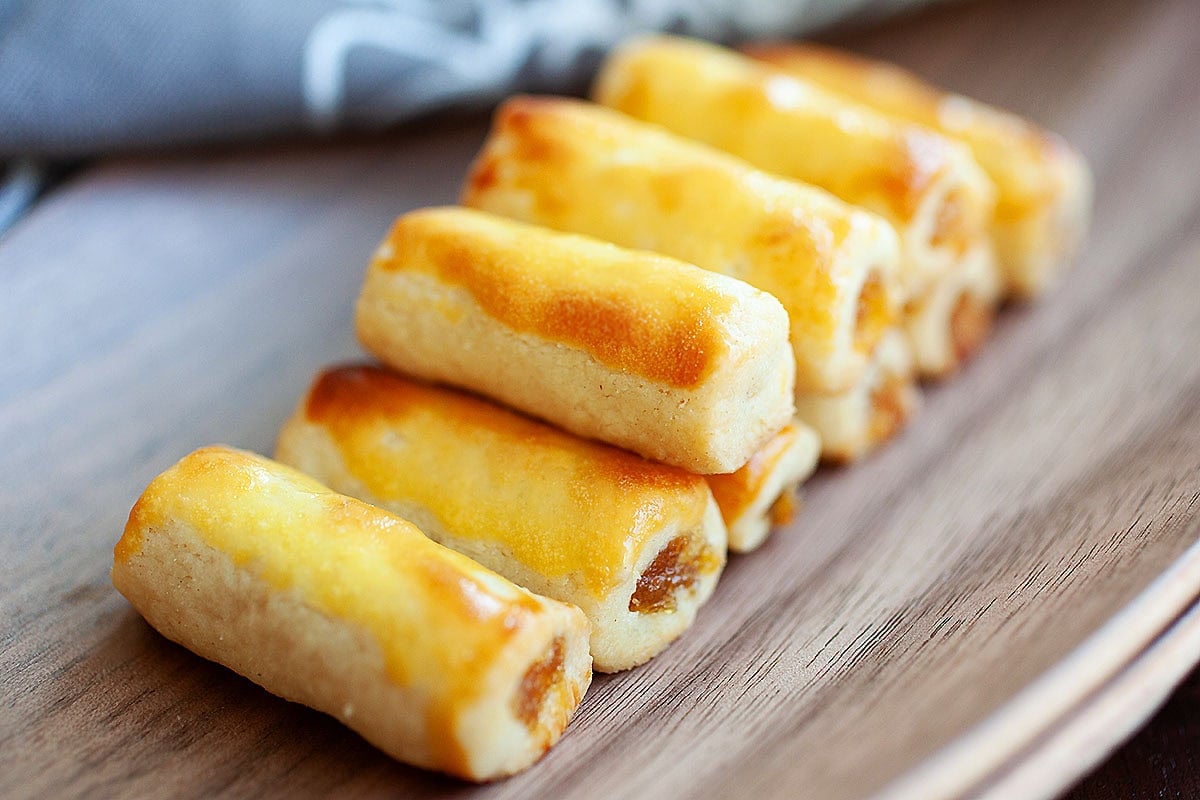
(1161, 761)
(156, 303)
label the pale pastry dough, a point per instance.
(855, 422)
(949, 324)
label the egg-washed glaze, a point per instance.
(736, 491)
(926, 183)
(635, 311)
(760, 496)
(1014, 152)
(350, 561)
(1038, 175)
(798, 130)
(582, 168)
(589, 514)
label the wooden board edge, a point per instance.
(1010, 735)
(1065, 754)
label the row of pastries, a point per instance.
(612, 365)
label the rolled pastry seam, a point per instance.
(329, 602)
(949, 325)
(644, 352)
(637, 545)
(760, 495)
(1044, 186)
(927, 185)
(582, 168)
(854, 423)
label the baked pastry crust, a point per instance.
(948, 325)
(637, 545)
(327, 601)
(926, 184)
(582, 168)
(1044, 186)
(759, 496)
(673, 362)
(854, 423)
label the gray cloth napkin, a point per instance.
(81, 77)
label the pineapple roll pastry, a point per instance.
(1044, 186)
(327, 601)
(637, 545)
(582, 168)
(660, 357)
(854, 423)
(759, 496)
(927, 185)
(951, 322)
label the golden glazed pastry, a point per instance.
(854, 423)
(583, 168)
(1044, 186)
(927, 185)
(327, 601)
(759, 496)
(660, 357)
(637, 545)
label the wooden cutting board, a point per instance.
(983, 609)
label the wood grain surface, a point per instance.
(1014, 578)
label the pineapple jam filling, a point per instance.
(950, 226)
(889, 408)
(675, 569)
(539, 679)
(873, 316)
(785, 507)
(970, 323)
